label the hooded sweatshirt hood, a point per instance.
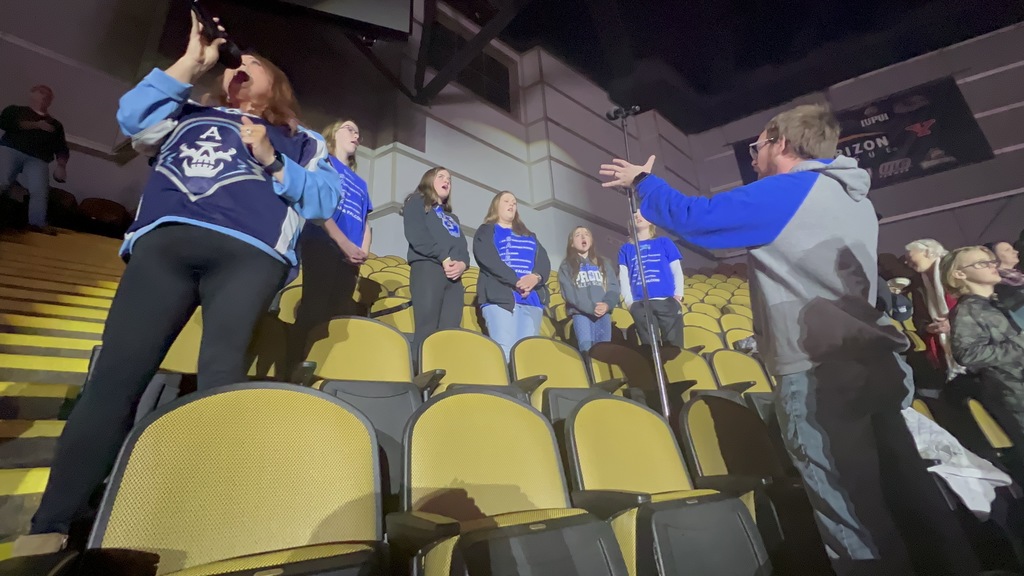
(855, 180)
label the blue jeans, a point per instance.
(35, 176)
(506, 328)
(877, 507)
(590, 331)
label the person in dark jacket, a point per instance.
(590, 289)
(1011, 289)
(514, 270)
(985, 339)
(438, 255)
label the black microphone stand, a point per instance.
(621, 114)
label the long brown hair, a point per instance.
(331, 132)
(282, 109)
(574, 260)
(518, 227)
(426, 189)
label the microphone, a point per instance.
(619, 112)
(230, 53)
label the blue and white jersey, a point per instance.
(355, 205)
(205, 176)
(658, 254)
(519, 253)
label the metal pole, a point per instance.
(659, 368)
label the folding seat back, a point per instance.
(391, 281)
(466, 357)
(732, 367)
(701, 340)
(368, 364)
(485, 493)
(352, 348)
(223, 480)
(683, 365)
(288, 303)
(701, 320)
(183, 356)
(563, 366)
(741, 309)
(715, 300)
(732, 321)
(627, 466)
(708, 309)
(736, 335)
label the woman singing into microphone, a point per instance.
(216, 227)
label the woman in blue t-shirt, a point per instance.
(514, 269)
(664, 273)
(332, 250)
(216, 227)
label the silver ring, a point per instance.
(248, 131)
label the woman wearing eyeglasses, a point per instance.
(332, 250)
(985, 339)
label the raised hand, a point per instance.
(200, 55)
(623, 173)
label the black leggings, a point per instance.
(328, 283)
(173, 269)
(436, 301)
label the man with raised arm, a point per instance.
(812, 237)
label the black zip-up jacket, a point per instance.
(497, 282)
(428, 238)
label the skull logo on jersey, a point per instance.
(204, 154)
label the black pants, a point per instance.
(173, 270)
(328, 282)
(436, 300)
(668, 318)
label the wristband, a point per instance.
(276, 165)
(639, 178)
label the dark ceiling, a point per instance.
(705, 63)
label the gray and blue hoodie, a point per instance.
(812, 236)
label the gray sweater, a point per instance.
(592, 285)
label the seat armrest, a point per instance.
(680, 387)
(732, 484)
(93, 357)
(607, 503)
(410, 532)
(612, 384)
(530, 383)
(56, 564)
(304, 373)
(428, 381)
(117, 562)
(739, 387)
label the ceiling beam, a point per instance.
(508, 10)
(426, 35)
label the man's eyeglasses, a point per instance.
(982, 265)
(755, 147)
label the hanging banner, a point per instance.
(907, 135)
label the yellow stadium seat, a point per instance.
(368, 364)
(701, 340)
(922, 409)
(739, 372)
(268, 349)
(702, 320)
(395, 312)
(993, 432)
(548, 328)
(621, 319)
(705, 308)
(260, 465)
(374, 265)
(567, 377)
(615, 360)
(391, 281)
(686, 366)
(732, 320)
(471, 319)
(690, 298)
(555, 300)
(470, 358)
(287, 303)
(403, 292)
(741, 291)
(716, 301)
(485, 493)
(699, 277)
(738, 309)
(735, 335)
(728, 443)
(647, 496)
(559, 313)
(702, 287)
(735, 281)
